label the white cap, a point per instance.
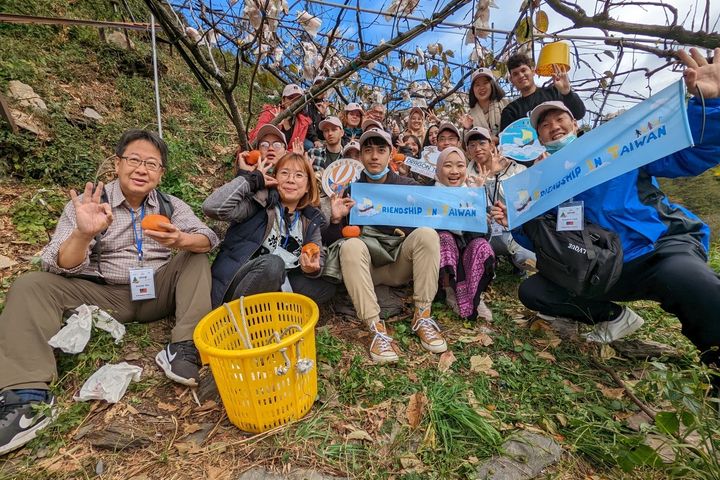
(449, 126)
(292, 89)
(475, 131)
(483, 72)
(370, 123)
(352, 106)
(350, 146)
(270, 129)
(330, 121)
(545, 107)
(376, 133)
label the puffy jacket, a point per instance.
(301, 124)
(633, 206)
(250, 208)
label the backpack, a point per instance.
(585, 262)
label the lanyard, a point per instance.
(138, 238)
(289, 228)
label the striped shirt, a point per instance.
(119, 252)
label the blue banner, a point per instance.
(441, 208)
(647, 132)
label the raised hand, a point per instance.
(561, 80)
(241, 162)
(498, 212)
(340, 208)
(467, 121)
(264, 167)
(298, 146)
(701, 74)
(91, 216)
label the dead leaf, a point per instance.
(607, 352)
(168, 407)
(573, 388)
(411, 464)
(446, 361)
(209, 405)
(416, 408)
(132, 410)
(611, 393)
(482, 364)
(546, 356)
(216, 473)
(359, 435)
(191, 428)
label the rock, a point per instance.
(117, 438)
(27, 122)
(207, 389)
(259, 473)
(92, 114)
(119, 40)
(199, 436)
(524, 456)
(25, 95)
(6, 262)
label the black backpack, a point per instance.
(585, 262)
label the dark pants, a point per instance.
(681, 282)
(266, 273)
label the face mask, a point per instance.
(556, 145)
(379, 175)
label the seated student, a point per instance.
(487, 167)
(78, 271)
(522, 77)
(270, 142)
(467, 263)
(431, 136)
(351, 150)
(294, 129)
(664, 245)
(448, 136)
(322, 157)
(417, 259)
(272, 219)
(352, 119)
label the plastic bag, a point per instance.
(109, 383)
(75, 335)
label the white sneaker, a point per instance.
(484, 311)
(607, 332)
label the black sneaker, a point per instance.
(20, 422)
(181, 362)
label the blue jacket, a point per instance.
(632, 204)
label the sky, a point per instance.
(376, 28)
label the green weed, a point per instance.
(35, 216)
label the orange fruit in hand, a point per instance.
(398, 157)
(253, 157)
(153, 221)
(311, 249)
(351, 231)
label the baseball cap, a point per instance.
(376, 133)
(475, 131)
(370, 123)
(352, 106)
(330, 121)
(292, 89)
(545, 107)
(482, 72)
(449, 126)
(351, 145)
(269, 129)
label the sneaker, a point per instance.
(181, 362)
(625, 324)
(20, 422)
(383, 348)
(429, 332)
(484, 311)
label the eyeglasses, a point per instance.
(477, 144)
(151, 164)
(275, 145)
(285, 174)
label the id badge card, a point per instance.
(496, 229)
(571, 217)
(142, 283)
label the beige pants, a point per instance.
(419, 261)
(36, 301)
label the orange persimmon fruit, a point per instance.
(153, 221)
(311, 249)
(351, 231)
(253, 157)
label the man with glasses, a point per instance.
(448, 136)
(271, 145)
(132, 274)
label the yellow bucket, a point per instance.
(263, 361)
(556, 53)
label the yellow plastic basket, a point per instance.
(273, 382)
